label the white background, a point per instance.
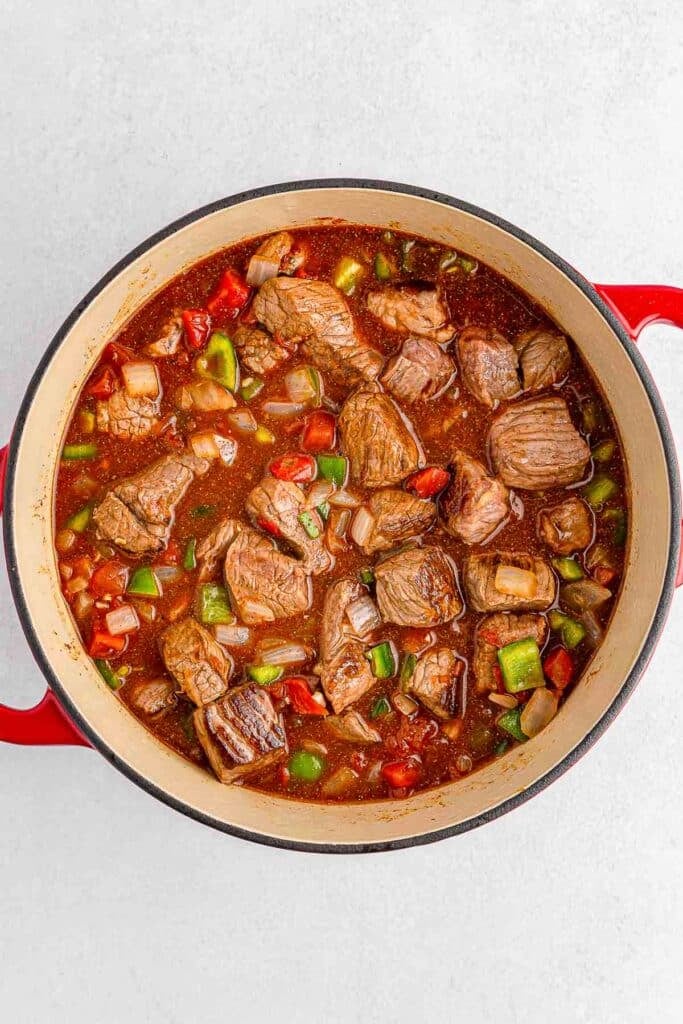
(119, 117)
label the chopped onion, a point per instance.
(339, 782)
(352, 726)
(304, 384)
(227, 448)
(76, 584)
(122, 620)
(584, 595)
(65, 541)
(503, 700)
(204, 396)
(313, 747)
(540, 709)
(146, 610)
(361, 527)
(285, 652)
(256, 611)
(168, 573)
(261, 269)
(208, 445)
(283, 408)
(140, 378)
(337, 526)
(516, 582)
(594, 631)
(232, 636)
(363, 616)
(243, 420)
(82, 604)
(452, 729)
(344, 499)
(319, 493)
(405, 704)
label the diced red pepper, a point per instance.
(103, 383)
(603, 574)
(319, 432)
(298, 469)
(428, 482)
(283, 775)
(109, 579)
(269, 526)
(231, 296)
(559, 668)
(171, 555)
(118, 354)
(197, 324)
(402, 774)
(103, 644)
(300, 697)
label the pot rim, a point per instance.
(650, 640)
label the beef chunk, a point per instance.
(241, 732)
(137, 514)
(417, 588)
(475, 504)
(282, 503)
(315, 314)
(420, 370)
(412, 309)
(265, 584)
(168, 342)
(479, 581)
(212, 548)
(534, 445)
(489, 365)
(398, 516)
(381, 447)
(496, 631)
(154, 696)
(122, 415)
(269, 258)
(566, 527)
(437, 682)
(345, 673)
(258, 351)
(544, 358)
(198, 664)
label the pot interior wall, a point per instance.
(122, 736)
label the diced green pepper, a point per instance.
(509, 722)
(309, 524)
(264, 675)
(382, 660)
(264, 436)
(571, 630)
(380, 707)
(367, 576)
(618, 517)
(384, 269)
(599, 490)
(86, 421)
(219, 362)
(568, 568)
(501, 747)
(334, 468)
(467, 264)
(250, 388)
(72, 452)
(604, 450)
(407, 668)
(520, 664)
(347, 274)
(190, 558)
(203, 511)
(214, 605)
(106, 671)
(80, 520)
(323, 511)
(144, 583)
(591, 415)
(306, 766)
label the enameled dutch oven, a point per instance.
(603, 320)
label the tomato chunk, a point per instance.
(103, 383)
(559, 667)
(319, 432)
(110, 579)
(103, 644)
(402, 774)
(296, 691)
(428, 482)
(298, 469)
(231, 296)
(171, 555)
(197, 324)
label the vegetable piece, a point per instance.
(208, 445)
(230, 296)
(559, 667)
(319, 432)
(214, 605)
(118, 354)
(352, 727)
(405, 704)
(402, 774)
(305, 766)
(591, 415)
(251, 387)
(144, 583)
(380, 707)
(584, 595)
(205, 396)
(594, 631)
(516, 582)
(243, 421)
(363, 615)
(232, 636)
(323, 511)
(65, 541)
(339, 782)
(568, 568)
(383, 660)
(73, 452)
(282, 408)
(123, 619)
(347, 274)
(571, 631)
(384, 268)
(309, 524)
(141, 378)
(604, 451)
(407, 669)
(520, 664)
(344, 499)
(362, 526)
(296, 468)
(500, 748)
(264, 436)
(219, 362)
(86, 421)
(297, 692)
(103, 384)
(109, 579)
(106, 671)
(599, 490)
(197, 324)
(428, 482)
(304, 384)
(264, 675)
(190, 558)
(538, 712)
(337, 525)
(269, 526)
(203, 511)
(618, 517)
(367, 576)
(103, 644)
(80, 520)
(283, 652)
(261, 268)
(448, 260)
(509, 722)
(334, 468)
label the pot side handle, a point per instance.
(47, 723)
(637, 306)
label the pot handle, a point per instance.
(46, 723)
(638, 306)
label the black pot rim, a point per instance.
(629, 683)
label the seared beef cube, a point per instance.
(212, 548)
(265, 584)
(137, 514)
(241, 733)
(534, 445)
(281, 503)
(474, 504)
(566, 527)
(154, 696)
(412, 309)
(397, 516)
(198, 664)
(497, 631)
(420, 370)
(377, 439)
(417, 587)
(258, 351)
(544, 358)
(508, 581)
(345, 672)
(168, 341)
(123, 415)
(269, 258)
(437, 682)
(489, 365)
(315, 314)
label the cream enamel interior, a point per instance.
(372, 823)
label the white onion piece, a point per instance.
(254, 611)
(304, 384)
(540, 709)
(227, 448)
(140, 378)
(319, 493)
(243, 420)
(363, 616)
(168, 573)
(339, 782)
(204, 445)
(232, 636)
(594, 631)
(261, 269)
(362, 526)
(344, 499)
(516, 582)
(405, 704)
(82, 604)
(285, 653)
(122, 620)
(204, 396)
(283, 408)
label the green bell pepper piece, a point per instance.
(214, 605)
(219, 362)
(144, 583)
(509, 722)
(334, 468)
(520, 664)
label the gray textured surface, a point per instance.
(118, 118)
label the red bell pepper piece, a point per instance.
(111, 578)
(298, 469)
(319, 432)
(402, 774)
(197, 324)
(428, 482)
(604, 574)
(559, 667)
(103, 383)
(231, 296)
(296, 691)
(103, 644)
(171, 555)
(269, 526)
